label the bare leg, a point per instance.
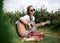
(28, 39)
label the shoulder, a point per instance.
(33, 17)
(26, 17)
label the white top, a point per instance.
(27, 18)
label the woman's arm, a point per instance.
(23, 21)
(43, 23)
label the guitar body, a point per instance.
(22, 28)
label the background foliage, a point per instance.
(40, 16)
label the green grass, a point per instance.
(9, 35)
(50, 37)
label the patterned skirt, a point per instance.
(36, 35)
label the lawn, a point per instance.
(8, 34)
(50, 37)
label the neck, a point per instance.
(31, 16)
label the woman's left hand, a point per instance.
(43, 23)
(47, 22)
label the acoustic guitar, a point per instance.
(22, 28)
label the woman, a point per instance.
(30, 36)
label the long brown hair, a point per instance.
(28, 8)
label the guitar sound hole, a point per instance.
(31, 25)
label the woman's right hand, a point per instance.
(29, 26)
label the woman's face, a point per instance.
(31, 10)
